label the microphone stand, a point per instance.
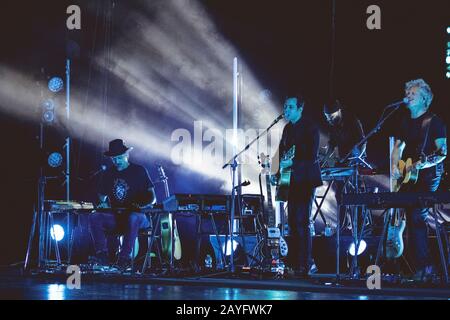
(357, 239)
(233, 165)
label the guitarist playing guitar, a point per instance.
(305, 177)
(420, 134)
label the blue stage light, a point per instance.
(55, 84)
(448, 30)
(48, 104)
(55, 160)
(48, 116)
(57, 232)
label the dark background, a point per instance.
(288, 45)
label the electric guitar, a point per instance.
(285, 176)
(170, 240)
(394, 240)
(277, 247)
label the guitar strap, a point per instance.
(424, 132)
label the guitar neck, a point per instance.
(166, 188)
(271, 214)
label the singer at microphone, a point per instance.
(298, 151)
(422, 137)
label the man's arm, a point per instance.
(397, 153)
(441, 146)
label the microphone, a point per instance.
(398, 103)
(281, 116)
(243, 184)
(102, 168)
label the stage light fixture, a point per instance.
(448, 30)
(55, 159)
(48, 116)
(226, 248)
(48, 104)
(57, 232)
(362, 247)
(55, 84)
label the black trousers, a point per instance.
(299, 211)
(429, 180)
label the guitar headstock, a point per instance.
(161, 173)
(290, 154)
(264, 160)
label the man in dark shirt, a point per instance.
(420, 135)
(125, 189)
(345, 131)
(305, 177)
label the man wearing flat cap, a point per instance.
(125, 188)
(345, 131)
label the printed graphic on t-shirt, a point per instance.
(120, 189)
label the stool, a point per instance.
(150, 234)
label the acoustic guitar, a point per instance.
(170, 240)
(284, 180)
(409, 173)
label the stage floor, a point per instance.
(122, 287)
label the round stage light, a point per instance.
(55, 84)
(57, 232)
(448, 75)
(55, 160)
(48, 116)
(227, 249)
(448, 30)
(361, 248)
(447, 60)
(48, 104)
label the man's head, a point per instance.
(333, 112)
(293, 108)
(419, 95)
(119, 154)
